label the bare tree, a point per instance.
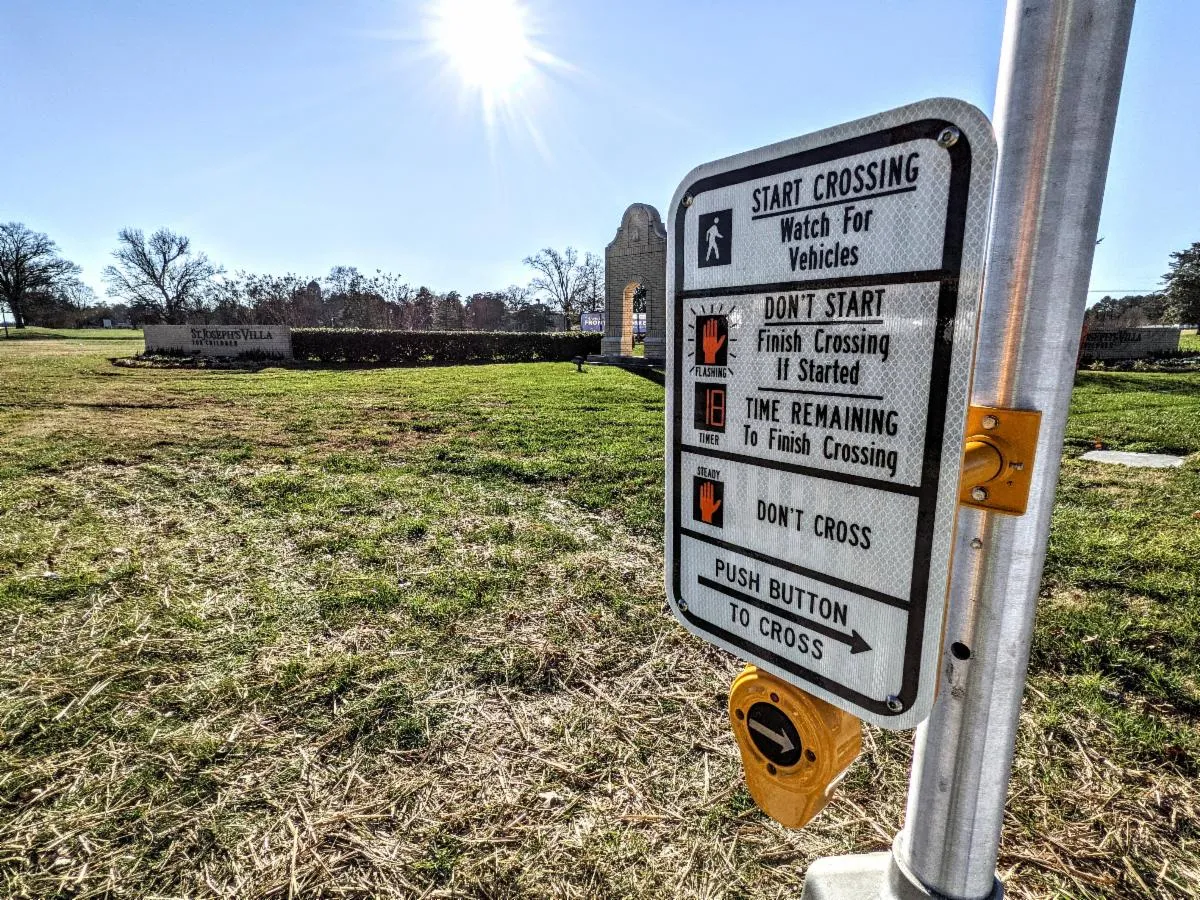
(591, 283)
(516, 296)
(344, 280)
(31, 270)
(160, 276)
(391, 287)
(396, 295)
(274, 297)
(558, 277)
(61, 306)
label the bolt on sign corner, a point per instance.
(825, 301)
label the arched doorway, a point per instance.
(633, 301)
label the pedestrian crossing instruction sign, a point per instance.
(825, 295)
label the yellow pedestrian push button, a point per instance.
(795, 748)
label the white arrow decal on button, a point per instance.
(784, 742)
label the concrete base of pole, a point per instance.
(844, 877)
(870, 876)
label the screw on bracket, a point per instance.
(990, 422)
(688, 199)
(894, 703)
(979, 494)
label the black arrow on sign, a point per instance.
(853, 640)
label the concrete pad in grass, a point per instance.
(1136, 460)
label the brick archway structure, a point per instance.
(636, 256)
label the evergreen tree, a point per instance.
(1183, 286)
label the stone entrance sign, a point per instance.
(220, 340)
(1130, 343)
(636, 262)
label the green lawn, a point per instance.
(33, 332)
(1190, 341)
(389, 632)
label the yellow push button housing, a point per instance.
(795, 748)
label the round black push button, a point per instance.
(774, 734)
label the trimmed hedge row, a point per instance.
(431, 348)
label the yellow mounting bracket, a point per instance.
(998, 458)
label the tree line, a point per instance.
(161, 277)
(1177, 304)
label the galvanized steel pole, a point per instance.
(1056, 104)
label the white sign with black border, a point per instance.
(825, 295)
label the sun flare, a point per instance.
(491, 51)
(487, 44)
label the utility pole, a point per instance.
(1061, 68)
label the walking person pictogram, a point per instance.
(713, 234)
(714, 238)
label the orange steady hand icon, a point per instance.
(712, 342)
(708, 506)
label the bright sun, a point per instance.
(488, 45)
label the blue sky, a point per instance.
(293, 136)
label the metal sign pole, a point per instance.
(1060, 79)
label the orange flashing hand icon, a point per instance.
(712, 342)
